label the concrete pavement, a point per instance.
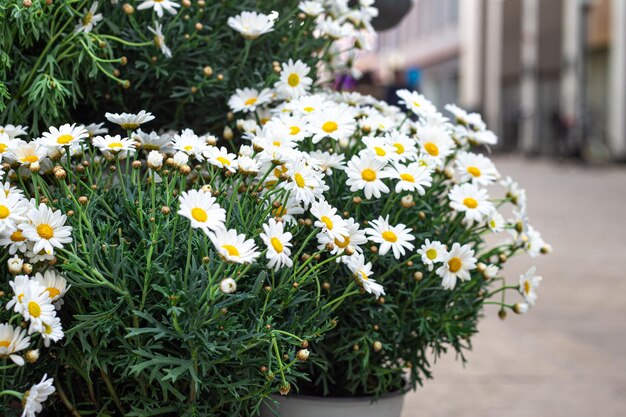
(567, 357)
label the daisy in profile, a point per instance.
(396, 238)
(7, 145)
(326, 162)
(96, 129)
(202, 209)
(251, 25)
(12, 212)
(293, 81)
(431, 253)
(152, 141)
(514, 192)
(159, 6)
(456, 264)
(221, 158)
(89, 20)
(411, 177)
(37, 306)
(278, 244)
(234, 247)
(328, 220)
(476, 168)
(14, 131)
(248, 166)
(55, 285)
(436, 142)
(18, 285)
(416, 102)
(472, 201)
(52, 332)
(306, 185)
(248, 99)
(113, 144)
(528, 282)
(46, 229)
(37, 395)
(128, 121)
(362, 272)
(65, 135)
(13, 340)
(190, 143)
(335, 122)
(159, 39)
(351, 240)
(311, 8)
(366, 173)
(461, 116)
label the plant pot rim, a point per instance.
(360, 399)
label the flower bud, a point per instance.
(207, 71)
(228, 286)
(502, 314)
(82, 200)
(128, 9)
(520, 308)
(377, 346)
(302, 355)
(155, 160)
(448, 173)
(418, 276)
(31, 356)
(27, 3)
(185, 170)
(15, 265)
(407, 201)
(284, 389)
(34, 167)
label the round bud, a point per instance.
(502, 314)
(198, 26)
(356, 347)
(284, 389)
(302, 355)
(136, 164)
(220, 77)
(418, 276)
(326, 285)
(207, 71)
(378, 346)
(165, 210)
(27, 3)
(128, 9)
(83, 200)
(228, 133)
(27, 268)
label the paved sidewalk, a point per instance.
(567, 358)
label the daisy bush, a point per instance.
(72, 59)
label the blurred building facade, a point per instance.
(549, 76)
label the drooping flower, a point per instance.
(362, 272)
(13, 340)
(159, 39)
(35, 397)
(129, 121)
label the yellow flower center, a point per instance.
(431, 254)
(363, 276)
(64, 139)
(53, 292)
(20, 297)
(493, 224)
(223, 160)
(115, 145)
(34, 309)
(250, 101)
(279, 211)
(17, 236)
(308, 109)
(368, 175)
(232, 251)
(526, 287)
(129, 126)
(88, 17)
(416, 104)
(328, 222)
(5, 343)
(407, 177)
(3, 147)
(399, 148)
(276, 244)
(299, 180)
(343, 244)
(454, 264)
(380, 151)
(293, 80)
(390, 236)
(474, 172)
(188, 148)
(45, 231)
(4, 212)
(294, 130)
(432, 149)
(30, 159)
(47, 329)
(276, 143)
(199, 214)
(470, 203)
(329, 127)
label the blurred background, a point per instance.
(549, 77)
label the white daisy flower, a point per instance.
(248, 99)
(397, 238)
(288, 211)
(491, 271)
(234, 247)
(113, 145)
(416, 102)
(7, 145)
(307, 105)
(353, 239)
(412, 177)
(362, 272)
(96, 129)
(152, 141)
(476, 168)
(35, 397)
(13, 340)
(311, 8)
(514, 192)
(328, 220)
(221, 158)
(18, 285)
(14, 131)
(431, 253)
(366, 173)
(460, 115)
(528, 282)
(495, 222)
(278, 245)
(292, 125)
(293, 80)
(326, 162)
(473, 201)
(535, 243)
(12, 212)
(54, 284)
(404, 147)
(248, 166)
(251, 25)
(46, 229)
(228, 285)
(202, 209)
(129, 121)
(155, 160)
(456, 264)
(65, 135)
(190, 143)
(89, 20)
(159, 6)
(15, 264)
(159, 39)
(380, 148)
(29, 153)
(37, 306)
(306, 185)
(436, 142)
(52, 332)
(15, 241)
(336, 122)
